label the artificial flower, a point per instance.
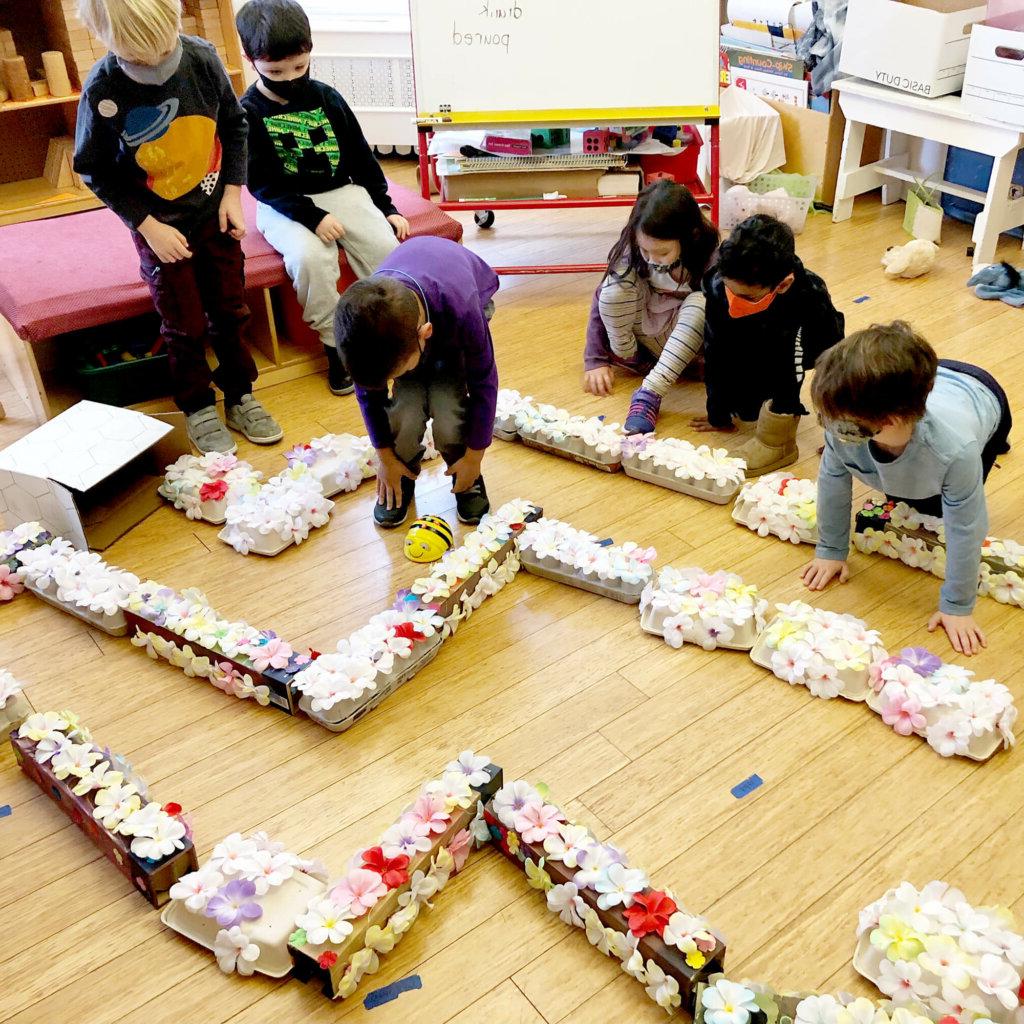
(324, 922)
(115, 803)
(327, 959)
(380, 940)
(817, 1010)
(268, 869)
(100, 776)
(165, 836)
(196, 888)
(406, 837)
(233, 854)
(472, 766)
(535, 822)
(394, 871)
(536, 876)
(919, 660)
(565, 845)
(74, 759)
(902, 981)
(997, 978)
(358, 891)
(213, 490)
(422, 887)
(42, 725)
(566, 902)
(618, 884)
(897, 939)
(649, 912)
(904, 715)
(430, 810)
(943, 957)
(234, 951)
(459, 848)
(662, 988)
(10, 583)
(726, 1002)
(950, 735)
(233, 903)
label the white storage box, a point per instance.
(994, 82)
(919, 46)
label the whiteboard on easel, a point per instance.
(616, 61)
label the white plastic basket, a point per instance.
(787, 197)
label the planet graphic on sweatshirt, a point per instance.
(177, 153)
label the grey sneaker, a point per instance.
(251, 420)
(207, 433)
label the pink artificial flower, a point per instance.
(220, 465)
(536, 822)
(273, 654)
(715, 583)
(213, 490)
(10, 583)
(460, 847)
(904, 715)
(358, 891)
(227, 678)
(430, 810)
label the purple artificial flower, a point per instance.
(407, 601)
(920, 660)
(635, 443)
(232, 903)
(300, 453)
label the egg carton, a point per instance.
(552, 569)
(113, 625)
(665, 476)
(573, 448)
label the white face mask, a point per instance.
(155, 74)
(664, 268)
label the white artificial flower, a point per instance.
(817, 1010)
(995, 977)
(566, 845)
(196, 888)
(902, 981)
(234, 951)
(567, 903)
(727, 1002)
(618, 885)
(325, 922)
(512, 799)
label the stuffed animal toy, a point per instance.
(999, 281)
(915, 258)
(428, 539)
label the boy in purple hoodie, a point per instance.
(416, 341)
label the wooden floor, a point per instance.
(641, 742)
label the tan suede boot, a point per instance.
(773, 445)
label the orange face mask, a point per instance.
(740, 307)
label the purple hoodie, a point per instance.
(455, 286)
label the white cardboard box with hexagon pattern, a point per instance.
(91, 473)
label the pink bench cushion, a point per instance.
(82, 270)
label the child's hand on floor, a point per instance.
(704, 426)
(232, 220)
(390, 470)
(599, 381)
(963, 632)
(400, 225)
(818, 574)
(168, 244)
(329, 230)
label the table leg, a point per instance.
(849, 163)
(988, 223)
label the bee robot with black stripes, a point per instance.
(428, 539)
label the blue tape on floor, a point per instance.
(379, 996)
(5, 811)
(606, 543)
(746, 786)
(863, 298)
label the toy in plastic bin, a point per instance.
(428, 539)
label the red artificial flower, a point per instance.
(327, 959)
(173, 809)
(408, 631)
(649, 913)
(313, 655)
(784, 483)
(213, 491)
(394, 871)
(949, 1019)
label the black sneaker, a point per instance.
(389, 518)
(472, 505)
(338, 379)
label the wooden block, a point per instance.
(39, 87)
(152, 878)
(58, 170)
(16, 77)
(4, 95)
(7, 47)
(56, 73)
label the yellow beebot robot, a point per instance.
(428, 539)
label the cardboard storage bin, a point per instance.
(919, 46)
(484, 185)
(994, 81)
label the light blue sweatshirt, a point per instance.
(943, 457)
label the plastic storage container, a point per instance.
(743, 201)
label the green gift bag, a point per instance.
(923, 217)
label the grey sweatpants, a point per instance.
(313, 265)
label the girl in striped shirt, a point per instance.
(648, 312)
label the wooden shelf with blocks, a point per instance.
(46, 53)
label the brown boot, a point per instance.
(773, 445)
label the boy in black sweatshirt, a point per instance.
(161, 140)
(317, 183)
(767, 319)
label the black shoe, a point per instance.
(338, 379)
(389, 518)
(472, 505)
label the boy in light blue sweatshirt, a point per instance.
(922, 430)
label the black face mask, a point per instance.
(289, 90)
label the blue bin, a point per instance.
(964, 167)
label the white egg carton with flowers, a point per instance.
(560, 552)
(281, 513)
(202, 486)
(510, 403)
(699, 471)
(242, 903)
(828, 652)
(712, 610)
(339, 688)
(931, 947)
(80, 583)
(916, 693)
(14, 705)
(781, 505)
(339, 462)
(588, 440)
(23, 537)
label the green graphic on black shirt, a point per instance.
(304, 142)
